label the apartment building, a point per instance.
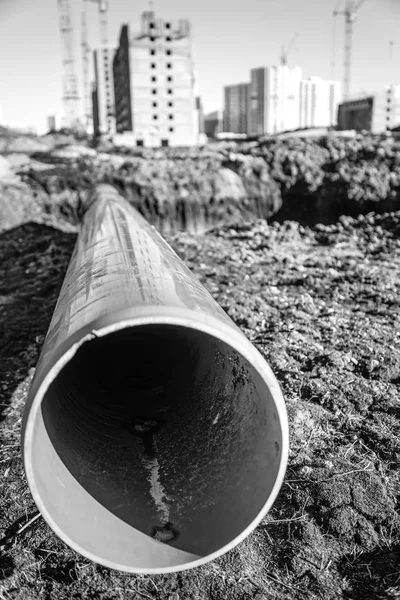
(356, 114)
(122, 83)
(103, 105)
(54, 122)
(236, 108)
(156, 99)
(274, 104)
(377, 113)
(386, 113)
(213, 123)
(319, 102)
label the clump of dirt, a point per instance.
(322, 306)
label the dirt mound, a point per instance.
(6, 172)
(194, 195)
(22, 143)
(186, 194)
(20, 203)
(311, 181)
(15, 141)
(17, 205)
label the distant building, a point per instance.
(377, 113)
(200, 114)
(274, 99)
(54, 122)
(386, 109)
(103, 92)
(51, 123)
(95, 111)
(319, 101)
(122, 83)
(356, 114)
(213, 123)
(155, 85)
(236, 108)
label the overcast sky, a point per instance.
(230, 37)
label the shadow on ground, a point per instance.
(33, 262)
(373, 574)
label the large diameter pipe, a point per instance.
(155, 435)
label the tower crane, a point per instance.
(103, 25)
(85, 65)
(70, 80)
(350, 13)
(286, 50)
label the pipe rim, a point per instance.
(156, 315)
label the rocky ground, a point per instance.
(322, 305)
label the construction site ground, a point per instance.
(322, 305)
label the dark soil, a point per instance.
(322, 305)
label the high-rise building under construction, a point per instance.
(103, 92)
(156, 100)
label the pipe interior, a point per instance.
(160, 436)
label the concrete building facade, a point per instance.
(103, 92)
(200, 115)
(95, 111)
(356, 114)
(274, 100)
(386, 113)
(155, 85)
(377, 113)
(213, 123)
(236, 108)
(54, 122)
(319, 102)
(122, 83)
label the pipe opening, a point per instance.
(161, 445)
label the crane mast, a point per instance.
(103, 8)
(286, 50)
(71, 97)
(85, 65)
(350, 13)
(103, 24)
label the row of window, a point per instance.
(155, 104)
(167, 39)
(154, 91)
(154, 78)
(141, 143)
(154, 65)
(164, 143)
(167, 25)
(153, 52)
(170, 117)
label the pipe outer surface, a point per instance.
(124, 278)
